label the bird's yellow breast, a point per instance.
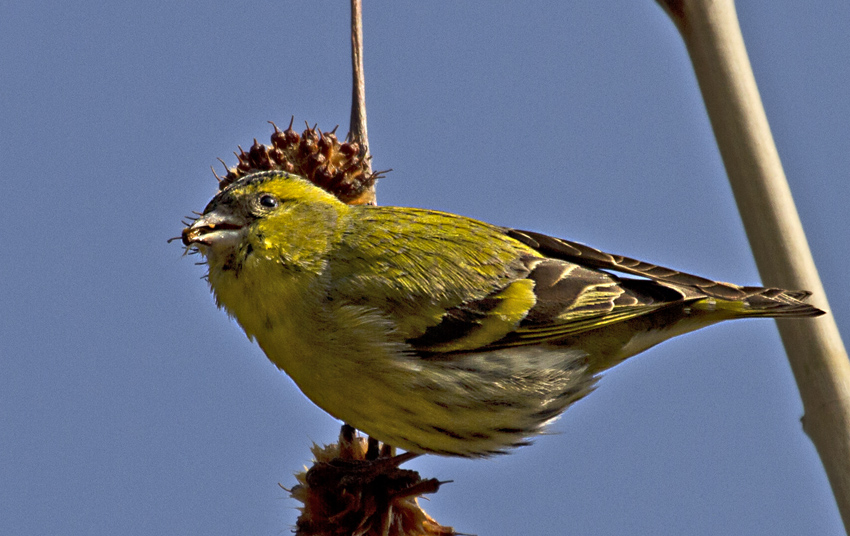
(324, 347)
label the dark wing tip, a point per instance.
(762, 301)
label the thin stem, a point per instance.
(357, 126)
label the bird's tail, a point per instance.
(762, 302)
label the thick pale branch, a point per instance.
(815, 350)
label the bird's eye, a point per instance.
(268, 201)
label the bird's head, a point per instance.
(273, 215)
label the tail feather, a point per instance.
(772, 303)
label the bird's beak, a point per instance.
(214, 229)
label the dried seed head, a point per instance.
(320, 157)
(345, 493)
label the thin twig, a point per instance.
(357, 127)
(815, 350)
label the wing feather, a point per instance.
(574, 293)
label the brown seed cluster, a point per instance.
(338, 167)
(346, 493)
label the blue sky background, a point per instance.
(130, 405)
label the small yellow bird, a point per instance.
(434, 332)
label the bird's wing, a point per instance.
(572, 292)
(587, 256)
(554, 299)
(451, 284)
